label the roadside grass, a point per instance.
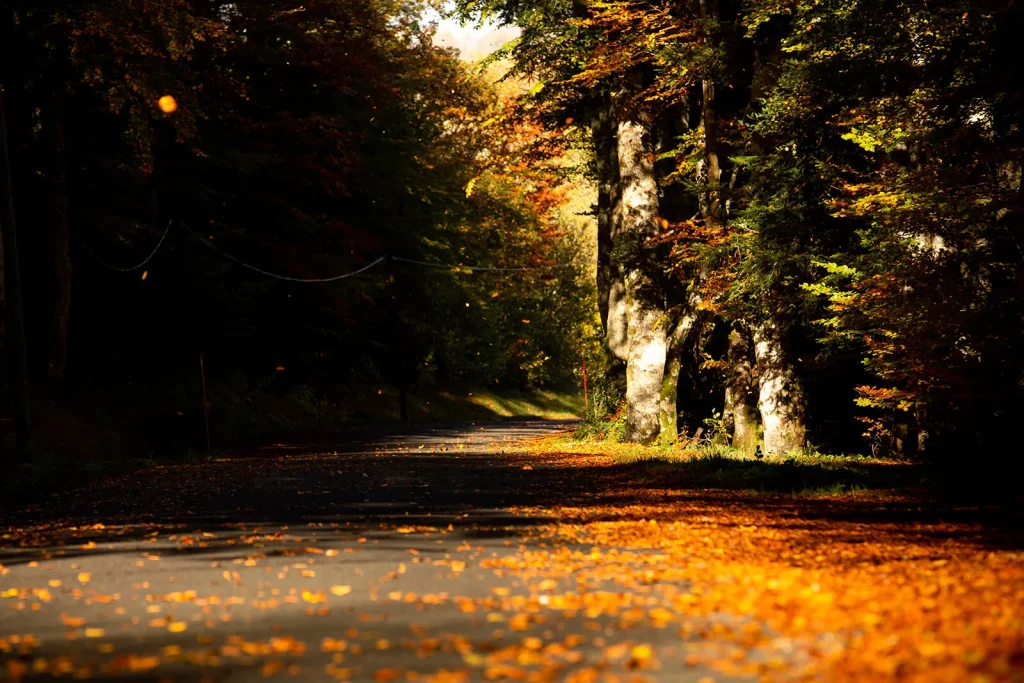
(719, 467)
(454, 406)
(242, 414)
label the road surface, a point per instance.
(395, 555)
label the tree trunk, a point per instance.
(740, 417)
(645, 367)
(646, 333)
(59, 243)
(15, 331)
(921, 421)
(668, 411)
(611, 294)
(709, 171)
(679, 341)
(781, 399)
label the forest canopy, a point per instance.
(808, 214)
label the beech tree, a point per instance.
(829, 180)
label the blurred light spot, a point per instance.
(168, 104)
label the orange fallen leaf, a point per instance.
(314, 597)
(73, 622)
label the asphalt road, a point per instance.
(372, 557)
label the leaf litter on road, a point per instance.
(613, 579)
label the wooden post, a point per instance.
(12, 279)
(206, 404)
(586, 397)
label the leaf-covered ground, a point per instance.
(457, 554)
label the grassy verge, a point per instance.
(812, 474)
(456, 406)
(242, 415)
(708, 467)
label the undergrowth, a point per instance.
(604, 416)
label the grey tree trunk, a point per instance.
(680, 340)
(59, 243)
(740, 417)
(668, 411)
(645, 306)
(781, 397)
(645, 367)
(611, 293)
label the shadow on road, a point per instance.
(468, 477)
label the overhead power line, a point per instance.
(130, 269)
(278, 276)
(287, 278)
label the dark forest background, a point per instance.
(308, 141)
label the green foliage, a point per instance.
(714, 429)
(872, 169)
(604, 417)
(910, 252)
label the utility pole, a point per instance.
(15, 341)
